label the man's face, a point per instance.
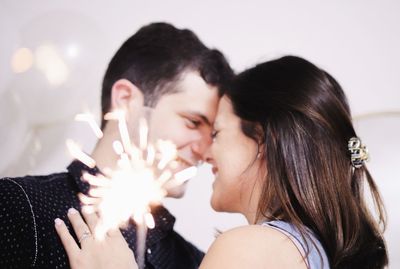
(186, 119)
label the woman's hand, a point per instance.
(99, 185)
(112, 251)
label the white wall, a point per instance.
(356, 41)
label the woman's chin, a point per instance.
(217, 205)
(216, 209)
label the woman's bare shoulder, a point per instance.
(253, 246)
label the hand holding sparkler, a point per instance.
(110, 252)
(142, 177)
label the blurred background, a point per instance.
(53, 55)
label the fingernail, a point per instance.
(58, 221)
(72, 211)
(86, 209)
(83, 176)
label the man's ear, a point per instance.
(125, 96)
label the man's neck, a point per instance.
(104, 154)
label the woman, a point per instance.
(285, 155)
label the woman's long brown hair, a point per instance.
(300, 115)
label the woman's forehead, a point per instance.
(225, 113)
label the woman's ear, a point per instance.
(126, 96)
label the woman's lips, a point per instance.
(215, 170)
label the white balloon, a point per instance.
(9, 43)
(14, 131)
(67, 68)
(47, 152)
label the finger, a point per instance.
(91, 219)
(98, 192)
(116, 235)
(97, 180)
(107, 172)
(67, 240)
(78, 224)
(114, 232)
(87, 200)
(90, 209)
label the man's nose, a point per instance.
(201, 146)
(208, 157)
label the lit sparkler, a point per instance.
(143, 174)
(89, 118)
(77, 153)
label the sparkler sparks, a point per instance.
(89, 118)
(141, 179)
(77, 153)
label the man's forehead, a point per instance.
(190, 81)
(192, 95)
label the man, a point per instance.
(162, 67)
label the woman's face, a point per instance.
(235, 164)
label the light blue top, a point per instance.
(316, 258)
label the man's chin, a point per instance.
(180, 168)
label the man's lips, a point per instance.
(185, 162)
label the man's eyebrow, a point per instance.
(202, 116)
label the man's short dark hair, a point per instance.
(155, 57)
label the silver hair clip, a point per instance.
(358, 151)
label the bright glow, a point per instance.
(72, 51)
(119, 115)
(51, 64)
(168, 153)
(78, 154)
(130, 195)
(184, 175)
(22, 60)
(181, 177)
(138, 182)
(89, 118)
(37, 146)
(143, 133)
(148, 218)
(166, 175)
(151, 155)
(118, 148)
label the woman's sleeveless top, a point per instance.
(316, 258)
